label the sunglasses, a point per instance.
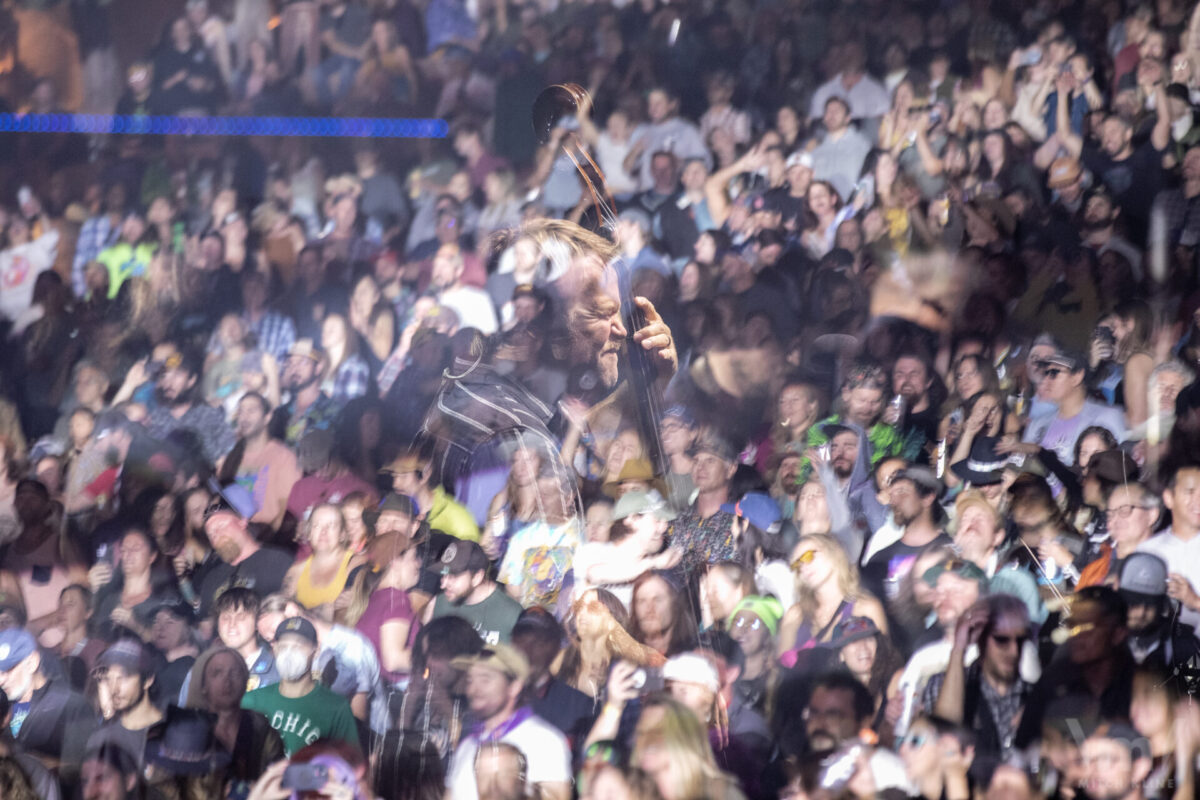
(1005, 641)
(752, 624)
(804, 558)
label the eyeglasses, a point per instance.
(1122, 511)
(804, 558)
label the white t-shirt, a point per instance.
(589, 555)
(473, 307)
(610, 157)
(544, 747)
(1181, 557)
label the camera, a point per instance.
(305, 777)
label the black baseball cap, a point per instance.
(460, 557)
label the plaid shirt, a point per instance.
(353, 379)
(96, 234)
(274, 332)
(206, 422)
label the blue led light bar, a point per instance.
(348, 127)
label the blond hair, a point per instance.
(680, 733)
(843, 571)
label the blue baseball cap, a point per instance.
(16, 645)
(232, 499)
(759, 509)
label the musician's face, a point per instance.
(594, 318)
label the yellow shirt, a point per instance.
(310, 595)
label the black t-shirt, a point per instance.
(887, 568)
(1133, 181)
(264, 571)
(168, 681)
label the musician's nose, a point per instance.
(617, 329)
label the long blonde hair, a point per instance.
(680, 733)
(844, 572)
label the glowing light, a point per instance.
(138, 124)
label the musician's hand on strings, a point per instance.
(655, 337)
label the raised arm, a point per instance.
(715, 187)
(1071, 141)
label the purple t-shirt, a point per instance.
(385, 606)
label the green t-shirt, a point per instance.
(320, 714)
(493, 619)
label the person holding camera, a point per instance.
(1120, 356)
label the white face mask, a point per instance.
(292, 664)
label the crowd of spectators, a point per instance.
(803, 406)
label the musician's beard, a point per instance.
(608, 365)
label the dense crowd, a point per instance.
(798, 401)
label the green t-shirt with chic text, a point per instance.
(320, 714)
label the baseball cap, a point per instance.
(650, 502)
(1143, 577)
(461, 556)
(852, 630)
(128, 654)
(502, 658)
(1063, 172)
(759, 509)
(392, 502)
(232, 499)
(956, 566)
(16, 645)
(800, 158)
(305, 348)
(297, 626)
(692, 668)
(1067, 359)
